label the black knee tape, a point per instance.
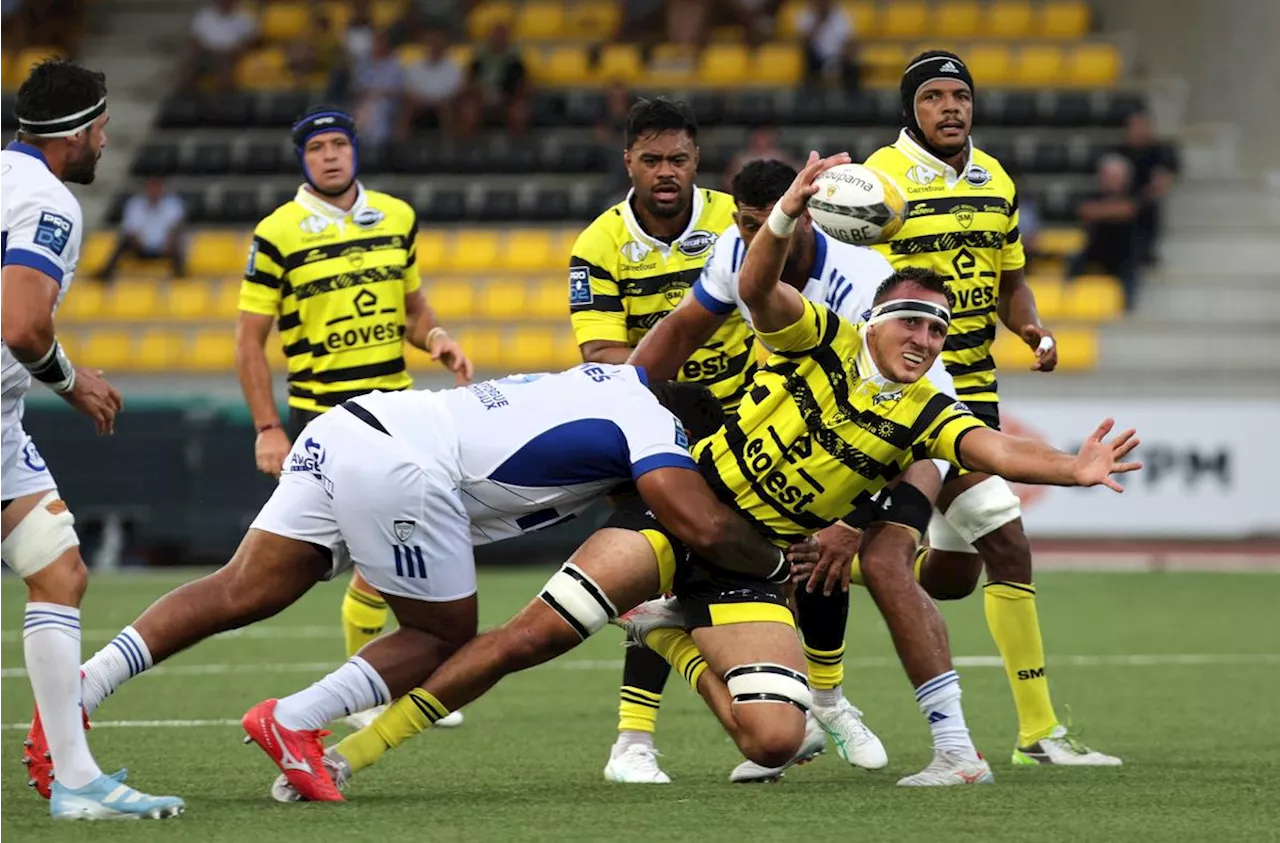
(822, 617)
(906, 506)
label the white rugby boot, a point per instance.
(634, 763)
(949, 768)
(660, 613)
(813, 745)
(855, 743)
(1064, 748)
(361, 719)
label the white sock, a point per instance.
(627, 738)
(51, 645)
(353, 687)
(939, 700)
(828, 697)
(122, 659)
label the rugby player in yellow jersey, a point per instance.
(335, 268)
(962, 222)
(834, 415)
(630, 268)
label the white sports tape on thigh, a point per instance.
(983, 509)
(942, 536)
(768, 682)
(43, 534)
(579, 600)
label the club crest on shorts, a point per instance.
(403, 529)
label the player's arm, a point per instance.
(774, 305)
(596, 310)
(260, 299)
(683, 503)
(687, 328)
(425, 333)
(1016, 304)
(1030, 461)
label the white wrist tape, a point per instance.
(779, 223)
(54, 369)
(1046, 344)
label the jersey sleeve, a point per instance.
(866, 277)
(815, 328)
(43, 233)
(260, 292)
(655, 438)
(951, 422)
(1012, 255)
(412, 280)
(716, 287)
(595, 299)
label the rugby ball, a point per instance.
(856, 204)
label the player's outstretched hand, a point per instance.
(833, 567)
(1043, 345)
(449, 353)
(96, 398)
(270, 451)
(1097, 460)
(796, 199)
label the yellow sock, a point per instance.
(406, 717)
(1015, 626)
(826, 667)
(363, 617)
(638, 709)
(855, 572)
(677, 647)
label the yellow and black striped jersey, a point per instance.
(820, 431)
(622, 282)
(336, 281)
(965, 227)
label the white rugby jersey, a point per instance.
(536, 450)
(42, 227)
(844, 278)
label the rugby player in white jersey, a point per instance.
(402, 485)
(62, 118)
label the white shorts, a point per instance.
(396, 515)
(24, 471)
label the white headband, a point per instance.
(63, 127)
(910, 308)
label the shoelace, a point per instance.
(1073, 737)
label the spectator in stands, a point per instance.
(611, 136)
(319, 52)
(828, 36)
(762, 144)
(1110, 219)
(360, 32)
(379, 86)
(499, 82)
(221, 32)
(1154, 166)
(432, 85)
(152, 229)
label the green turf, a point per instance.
(1199, 740)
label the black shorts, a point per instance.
(709, 595)
(988, 412)
(298, 419)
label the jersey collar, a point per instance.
(321, 208)
(637, 231)
(924, 158)
(28, 149)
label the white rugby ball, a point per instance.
(858, 205)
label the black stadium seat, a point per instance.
(282, 109)
(209, 158)
(1119, 105)
(261, 158)
(1070, 108)
(193, 202)
(236, 206)
(549, 204)
(496, 204)
(1049, 157)
(158, 158)
(8, 120)
(443, 206)
(1019, 109)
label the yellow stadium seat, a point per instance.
(483, 346)
(29, 58)
(529, 250)
(1093, 65)
(537, 349)
(133, 299)
(451, 299)
(539, 20)
(592, 20)
(409, 54)
(990, 64)
(387, 12)
(283, 21)
(865, 17)
(211, 350)
(485, 16)
(109, 349)
(266, 69)
(728, 64)
(904, 19)
(1064, 19)
(565, 241)
(883, 61)
(1094, 298)
(1008, 20)
(85, 303)
(188, 299)
(620, 62)
(1077, 350)
(226, 299)
(431, 252)
(473, 251)
(95, 253)
(961, 19)
(1060, 242)
(213, 254)
(158, 350)
(8, 81)
(339, 12)
(502, 300)
(671, 65)
(1039, 65)
(777, 64)
(461, 55)
(549, 299)
(1048, 293)
(565, 65)
(788, 19)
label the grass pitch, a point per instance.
(1177, 673)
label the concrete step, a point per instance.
(1226, 253)
(1211, 302)
(1177, 349)
(1125, 384)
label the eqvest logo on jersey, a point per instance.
(696, 243)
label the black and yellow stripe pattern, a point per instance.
(826, 667)
(965, 227)
(337, 290)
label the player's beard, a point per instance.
(668, 211)
(83, 169)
